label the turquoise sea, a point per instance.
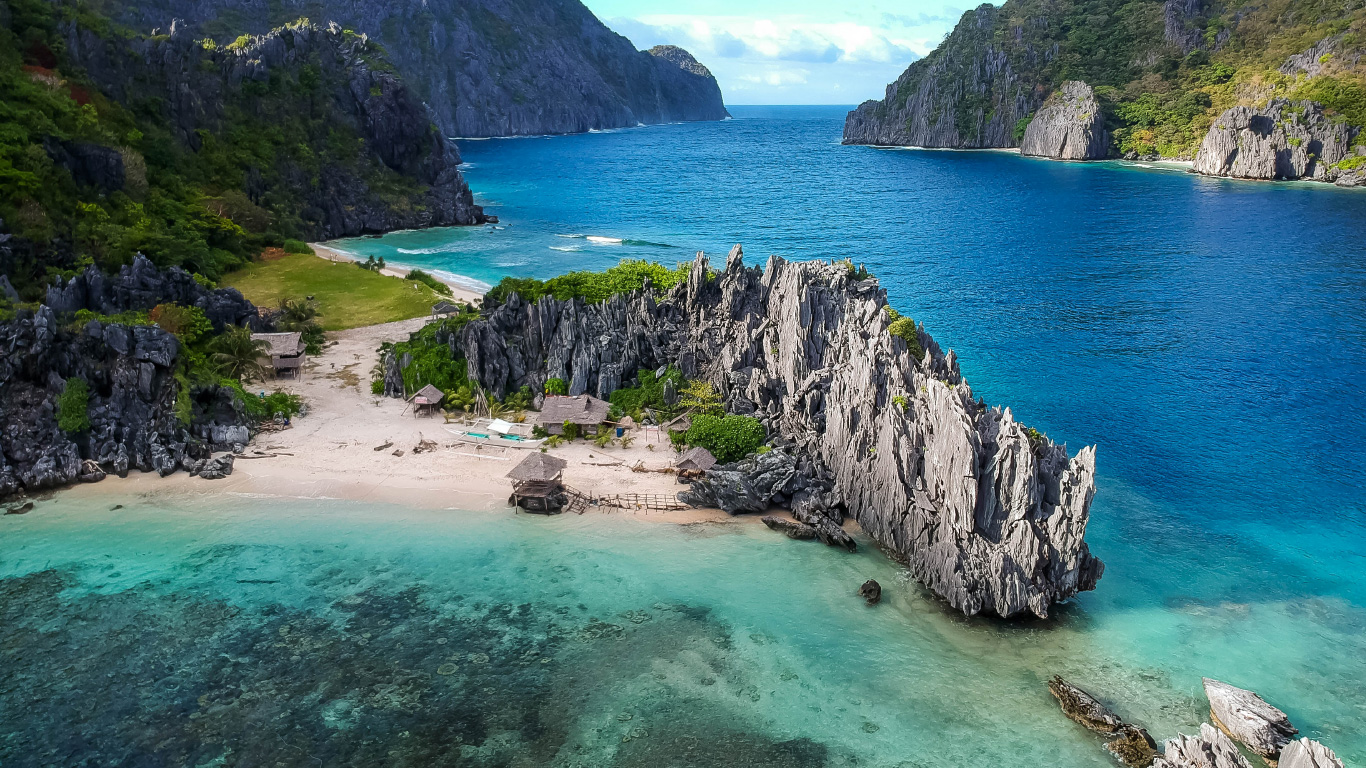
(1209, 336)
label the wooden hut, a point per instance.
(537, 484)
(429, 399)
(584, 410)
(286, 351)
(445, 309)
(694, 463)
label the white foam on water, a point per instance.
(600, 240)
(566, 248)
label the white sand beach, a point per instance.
(330, 452)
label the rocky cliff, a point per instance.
(305, 80)
(1160, 69)
(135, 419)
(967, 93)
(488, 67)
(1283, 140)
(989, 515)
(1069, 126)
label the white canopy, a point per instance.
(500, 426)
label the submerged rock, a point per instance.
(1133, 746)
(1283, 140)
(870, 591)
(1307, 753)
(989, 516)
(1069, 126)
(791, 528)
(1248, 718)
(1211, 749)
(1083, 708)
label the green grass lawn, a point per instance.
(347, 296)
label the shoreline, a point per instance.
(460, 291)
(330, 453)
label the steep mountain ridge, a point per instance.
(487, 67)
(1162, 71)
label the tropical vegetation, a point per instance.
(592, 287)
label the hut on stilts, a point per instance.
(537, 484)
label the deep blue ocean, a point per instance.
(1208, 335)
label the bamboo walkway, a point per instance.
(655, 501)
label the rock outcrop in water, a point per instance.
(1284, 140)
(1069, 126)
(1211, 749)
(988, 515)
(486, 67)
(130, 373)
(1307, 753)
(1248, 718)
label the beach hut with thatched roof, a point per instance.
(537, 484)
(429, 399)
(695, 460)
(586, 411)
(286, 351)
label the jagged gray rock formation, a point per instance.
(988, 516)
(1328, 54)
(132, 404)
(1249, 719)
(1069, 126)
(354, 89)
(1307, 753)
(486, 67)
(1211, 749)
(1283, 140)
(130, 373)
(141, 286)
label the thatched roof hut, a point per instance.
(696, 460)
(289, 344)
(584, 410)
(428, 395)
(538, 467)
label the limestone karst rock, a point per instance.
(1248, 718)
(1307, 753)
(990, 517)
(790, 528)
(1211, 749)
(1283, 140)
(870, 591)
(487, 67)
(1069, 126)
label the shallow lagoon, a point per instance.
(201, 631)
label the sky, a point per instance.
(790, 51)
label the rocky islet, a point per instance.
(804, 348)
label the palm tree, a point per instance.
(238, 355)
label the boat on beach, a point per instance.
(497, 432)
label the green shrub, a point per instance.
(593, 287)
(904, 328)
(73, 406)
(729, 438)
(648, 393)
(377, 387)
(556, 386)
(189, 324)
(1352, 163)
(571, 430)
(900, 401)
(426, 279)
(297, 246)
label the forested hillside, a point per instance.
(198, 154)
(1162, 71)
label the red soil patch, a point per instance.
(273, 254)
